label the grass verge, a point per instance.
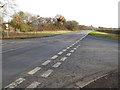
(105, 35)
(25, 35)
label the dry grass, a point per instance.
(25, 35)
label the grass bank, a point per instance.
(105, 35)
(25, 35)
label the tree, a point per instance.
(17, 21)
(7, 7)
(71, 25)
(60, 19)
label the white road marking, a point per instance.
(72, 51)
(46, 62)
(47, 73)
(75, 48)
(84, 36)
(73, 44)
(34, 85)
(34, 70)
(83, 84)
(67, 47)
(70, 46)
(60, 53)
(77, 41)
(56, 65)
(63, 59)
(64, 50)
(15, 83)
(68, 54)
(54, 57)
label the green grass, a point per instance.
(105, 35)
(25, 35)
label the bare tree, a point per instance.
(7, 8)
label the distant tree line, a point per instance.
(24, 22)
(109, 30)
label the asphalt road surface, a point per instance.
(63, 61)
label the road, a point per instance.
(56, 62)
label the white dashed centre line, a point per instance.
(34, 85)
(54, 57)
(56, 65)
(72, 51)
(64, 50)
(60, 53)
(67, 47)
(63, 59)
(68, 54)
(34, 70)
(15, 83)
(47, 73)
(73, 44)
(77, 41)
(70, 46)
(46, 62)
(75, 48)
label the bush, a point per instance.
(71, 25)
(25, 28)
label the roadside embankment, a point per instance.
(105, 35)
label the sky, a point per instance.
(103, 13)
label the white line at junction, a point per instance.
(34, 70)
(54, 57)
(63, 58)
(47, 73)
(34, 84)
(68, 54)
(56, 64)
(15, 83)
(60, 53)
(46, 62)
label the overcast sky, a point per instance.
(87, 12)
